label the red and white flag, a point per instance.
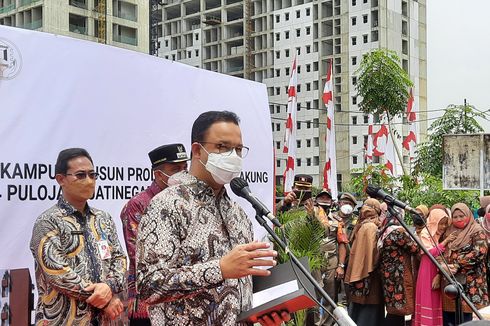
(290, 135)
(370, 145)
(330, 170)
(410, 141)
(379, 141)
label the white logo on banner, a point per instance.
(10, 60)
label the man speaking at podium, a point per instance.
(195, 250)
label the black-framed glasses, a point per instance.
(82, 175)
(226, 150)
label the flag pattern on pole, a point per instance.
(379, 141)
(370, 145)
(390, 157)
(330, 169)
(290, 133)
(410, 141)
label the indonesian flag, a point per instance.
(390, 156)
(290, 135)
(370, 145)
(379, 141)
(410, 141)
(330, 170)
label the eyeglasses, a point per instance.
(82, 175)
(226, 150)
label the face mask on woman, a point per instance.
(346, 209)
(461, 224)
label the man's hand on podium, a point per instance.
(242, 259)
(274, 319)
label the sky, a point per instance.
(458, 55)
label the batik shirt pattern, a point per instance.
(181, 238)
(64, 244)
(131, 216)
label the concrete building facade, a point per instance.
(122, 23)
(258, 39)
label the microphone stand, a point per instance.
(339, 313)
(454, 290)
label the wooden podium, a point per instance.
(16, 297)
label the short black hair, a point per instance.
(206, 119)
(68, 154)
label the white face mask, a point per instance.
(346, 209)
(223, 167)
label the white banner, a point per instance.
(57, 92)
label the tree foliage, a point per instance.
(382, 83)
(457, 119)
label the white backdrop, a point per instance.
(57, 92)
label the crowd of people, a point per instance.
(192, 254)
(374, 266)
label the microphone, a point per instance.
(378, 193)
(240, 187)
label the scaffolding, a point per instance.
(249, 45)
(155, 18)
(101, 10)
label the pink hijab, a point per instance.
(436, 214)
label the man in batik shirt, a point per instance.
(79, 262)
(165, 160)
(195, 250)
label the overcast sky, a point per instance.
(458, 54)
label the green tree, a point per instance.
(383, 86)
(457, 119)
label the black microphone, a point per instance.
(241, 189)
(377, 192)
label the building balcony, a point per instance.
(78, 29)
(23, 3)
(125, 39)
(127, 16)
(78, 3)
(33, 25)
(8, 8)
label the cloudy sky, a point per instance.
(458, 54)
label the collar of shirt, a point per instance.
(70, 210)
(154, 188)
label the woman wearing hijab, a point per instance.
(428, 301)
(396, 248)
(466, 258)
(366, 303)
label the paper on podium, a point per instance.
(280, 291)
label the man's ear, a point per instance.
(196, 150)
(60, 179)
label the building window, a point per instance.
(197, 53)
(308, 48)
(189, 54)
(298, 32)
(298, 14)
(286, 16)
(353, 21)
(308, 68)
(308, 30)
(298, 144)
(278, 163)
(278, 72)
(286, 35)
(315, 84)
(278, 18)
(307, 11)
(365, 19)
(354, 100)
(316, 141)
(299, 69)
(308, 143)
(354, 40)
(308, 105)
(365, 38)
(278, 54)
(278, 36)
(299, 88)
(298, 125)
(278, 90)
(315, 66)
(308, 125)
(316, 123)
(278, 109)
(278, 127)
(298, 106)
(287, 71)
(354, 2)
(354, 60)
(365, 140)
(354, 80)
(366, 119)
(308, 86)
(354, 140)
(354, 120)
(196, 36)
(354, 159)
(308, 161)
(298, 162)
(286, 53)
(316, 160)
(298, 51)
(278, 145)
